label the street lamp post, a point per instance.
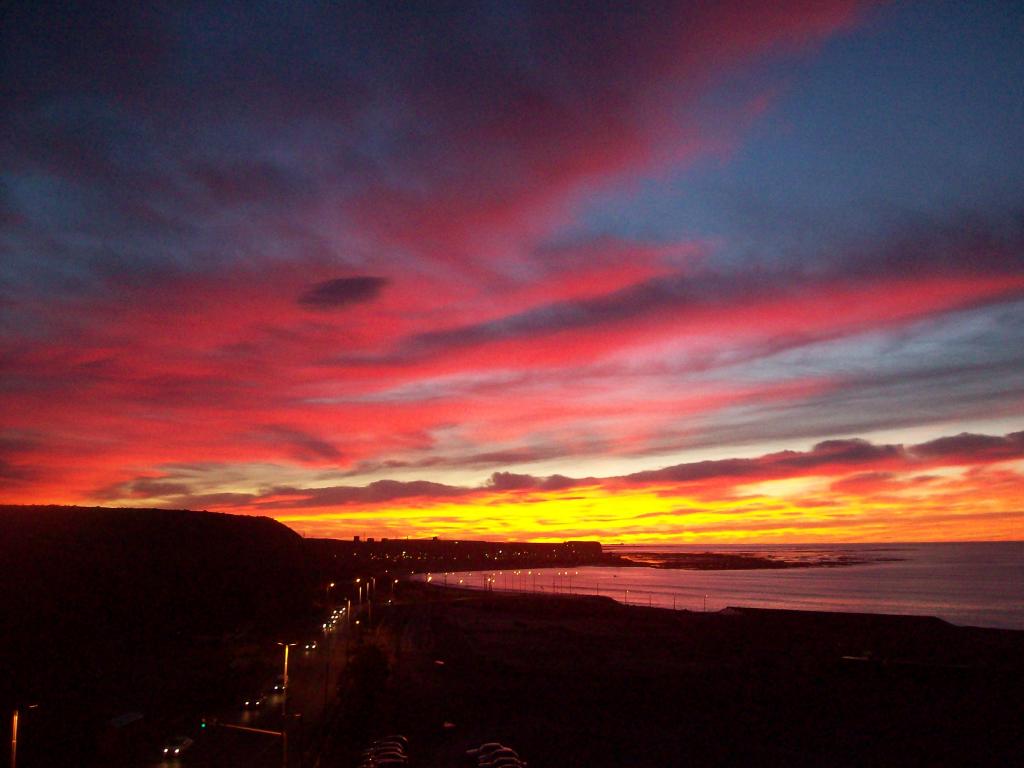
(284, 685)
(15, 716)
(327, 670)
(14, 739)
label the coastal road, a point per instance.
(312, 680)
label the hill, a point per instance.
(90, 591)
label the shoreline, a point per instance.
(727, 561)
(612, 685)
(571, 583)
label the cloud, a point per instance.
(300, 444)
(342, 292)
(854, 463)
(377, 492)
(201, 210)
(510, 481)
(971, 447)
(826, 454)
(143, 488)
(16, 460)
(840, 291)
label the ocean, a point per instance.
(972, 584)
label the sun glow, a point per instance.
(803, 509)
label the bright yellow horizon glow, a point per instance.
(962, 505)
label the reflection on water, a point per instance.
(978, 584)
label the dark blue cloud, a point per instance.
(343, 291)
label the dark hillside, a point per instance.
(88, 591)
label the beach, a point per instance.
(966, 583)
(572, 680)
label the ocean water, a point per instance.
(972, 584)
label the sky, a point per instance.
(649, 272)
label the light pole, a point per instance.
(327, 671)
(14, 739)
(284, 684)
(15, 716)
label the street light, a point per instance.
(284, 684)
(14, 739)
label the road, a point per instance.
(312, 680)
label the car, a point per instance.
(378, 755)
(176, 746)
(278, 685)
(484, 749)
(385, 746)
(253, 702)
(498, 755)
(310, 646)
(507, 762)
(389, 748)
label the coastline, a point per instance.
(723, 561)
(965, 584)
(583, 680)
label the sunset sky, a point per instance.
(694, 272)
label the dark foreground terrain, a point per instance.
(119, 628)
(122, 627)
(588, 682)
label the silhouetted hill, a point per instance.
(87, 587)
